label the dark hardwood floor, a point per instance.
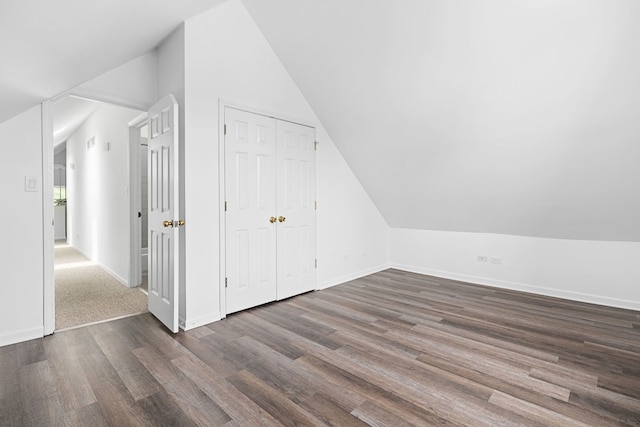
(391, 349)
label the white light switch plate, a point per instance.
(30, 183)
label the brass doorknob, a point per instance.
(167, 223)
(282, 219)
(272, 219)
(181, 222)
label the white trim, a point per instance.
(178, 193)
(139, 121)
(315, 205)
(223, 222)
(522, 287)
(83, 253)
(48, 279)
(21, 336)
(256, 110)
(135, 245)
(101, 97)
(106, 269)
(352, 276)
(199, 321)
(101, 321)
(113, 274)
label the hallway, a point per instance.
(85, 293)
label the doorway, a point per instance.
(143, 205)
(92, 270)
(139, 200)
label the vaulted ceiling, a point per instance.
(48, 47)
(501, 116)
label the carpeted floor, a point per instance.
(85, 293)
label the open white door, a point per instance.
(164, 212)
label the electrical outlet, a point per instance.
(482, 258)
(495, 260)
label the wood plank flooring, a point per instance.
(391, 349)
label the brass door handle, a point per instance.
(180, 223)
(282, 219)
(272, 219)
(167, 223)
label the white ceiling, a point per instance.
(48, 47)
(513, 117)
(502, 116)
(68, 115)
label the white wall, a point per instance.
(21, 302)
(21, 315)
(226, 57)
(133, 84)
(494, 116)
(98, 189)
(599, 272)
(353, 238)
(490, 120)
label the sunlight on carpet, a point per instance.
(85, 293)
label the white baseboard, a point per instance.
(80, 251)
(114, 275)
(20, 336)
(523, 287)
(351, 276)
(198, 321)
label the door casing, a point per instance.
(135, 267)
(48, 280)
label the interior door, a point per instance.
(164, 212)
(250, 161)
(296, 252)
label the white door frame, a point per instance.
(135, 239)
(48, 279)
(222, 104)
(49, 290)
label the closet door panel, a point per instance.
(296, 209)
(250, 194)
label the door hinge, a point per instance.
(226, 282)
(315, 205)
(315, 145)
(225, 128)
(225, 205)
(316, 262)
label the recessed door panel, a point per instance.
(250, 179)
(270, 209)
(164, 212)
(296, 203)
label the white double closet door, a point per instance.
(270, 209)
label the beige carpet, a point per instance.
(85, 293)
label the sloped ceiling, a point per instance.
(500, 116)
(68, 116)
(48, 47)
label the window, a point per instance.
(59, 185)
(59, 195)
